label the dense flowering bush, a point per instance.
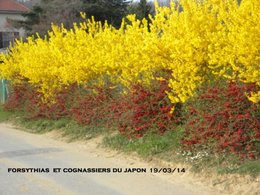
(206, 38)
(92, 106)
(223, 119)
(134, 114)
(235, 53)
(25, 98)
(194, 42)
(143, 109)
(36, 108)
(17, 97)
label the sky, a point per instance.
(152, 0)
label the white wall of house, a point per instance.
(5, 27)
(8, 33)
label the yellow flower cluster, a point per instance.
(209, 37)
(235, 47)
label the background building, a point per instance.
(10, 10)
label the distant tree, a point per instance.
(111, 11)
(42, 15)
(142, 9)
(33, 17)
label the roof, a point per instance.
(12, 6)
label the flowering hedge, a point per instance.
(143, 110)
(140, 77)
(26, 98)
(91, 106)
(222, 119)
(207, 38)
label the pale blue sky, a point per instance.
(152, 0)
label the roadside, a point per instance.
(211, 183)
(21, 149)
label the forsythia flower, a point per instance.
(206, 39)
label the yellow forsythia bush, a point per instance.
(207, 39)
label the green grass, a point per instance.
(4, 116)
(247, 167)
(67, 126)
(41, 125)
(252, 167)
(76, 131)
(150, 144)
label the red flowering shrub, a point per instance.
(225, 120)
(37, 108)
(143, 109)
(28, 99)
(92, 108)
(17, 98)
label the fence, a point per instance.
(3, 91)
(3, 83)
